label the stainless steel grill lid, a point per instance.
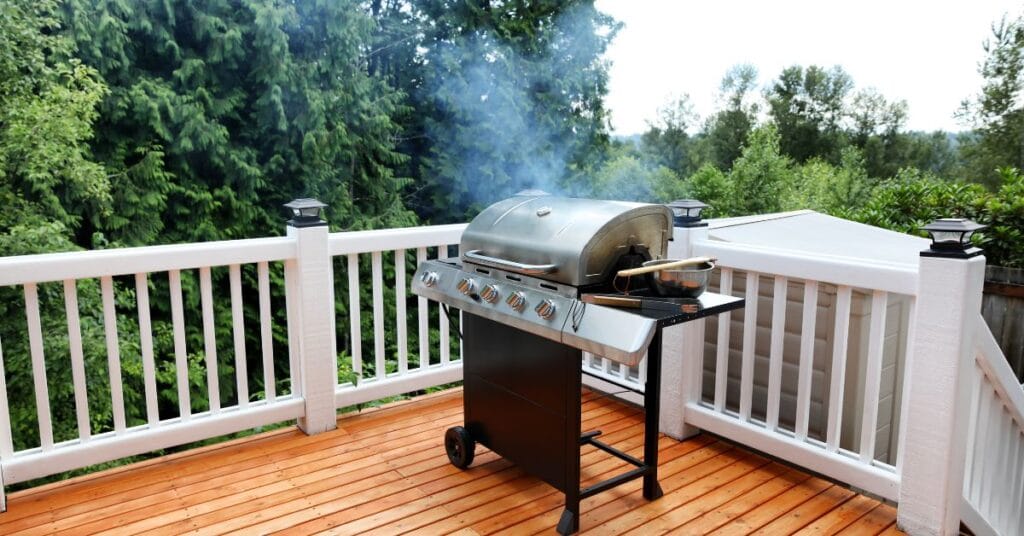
(566, 240)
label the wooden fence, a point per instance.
(1003, 309)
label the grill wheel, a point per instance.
(460, 446)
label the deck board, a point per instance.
(383, 471)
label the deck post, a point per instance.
(311, 314)
(682, 354)
(937, 387)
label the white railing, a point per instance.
(770, 408)
(406, 248)
(750, 392)
(209, 270)
(994, 475)
(150, 430)
(807, 371)
(613, 377)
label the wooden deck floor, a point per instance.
(384, 471)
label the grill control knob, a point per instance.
(429, 279)
(545, 309)
(466, 286)
(516, 300)
(490, 293)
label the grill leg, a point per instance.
(652, 407)
(570, 522)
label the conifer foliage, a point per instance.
(221, 110)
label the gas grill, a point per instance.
(533, 272)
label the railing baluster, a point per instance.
(291, 291)
(1018, 505)
(1006, 462)
(442, 253)
(749, 341)
(993, 407)
(1005, 476)
(722, 348)
(35, 338)
(6, 443)
(835, 393)
(146, 343)
(209, 339)
(1009, 476)
(779, 296)
(972, 461)
(1014, 473)
(77, 359)
(266, 334)
(401, 323)
(423, 333)
(378, 314)
(113, 352)
(980, 460)
(908, 359)
(355, 316)
(806, 368)
(873, 375)
(238, 330)
(180, 355)
(999, 456)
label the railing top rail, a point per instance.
(998, 371)
(391, 239)
(125, 261)
(851, 271)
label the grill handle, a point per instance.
(512, 266)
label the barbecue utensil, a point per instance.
(686, 278)
(612, 301)
(663, 264)
(689, 306)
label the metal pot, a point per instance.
(686, 278)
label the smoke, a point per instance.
(510, 118)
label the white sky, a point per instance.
(923, 52)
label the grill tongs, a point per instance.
(644, 303)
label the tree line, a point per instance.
(140, 122)
(809, 139)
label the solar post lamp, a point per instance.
(951, 237)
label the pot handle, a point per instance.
(666, 266)
(517, 267)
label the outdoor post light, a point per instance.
(687, 212)
(305, 212)
(951, 237)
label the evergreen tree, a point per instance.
(48, 178)
(808, 107)
(667, 142)
(761, 174)
(997, 113)
(728, 129)
(49, 184)
(222, 110)
(507, 95)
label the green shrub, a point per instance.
(913, 199)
